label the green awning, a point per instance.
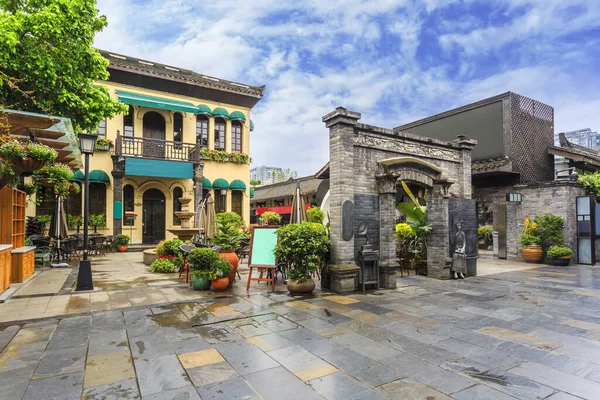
(220, 184)
(237, 185)
(155, 102)
(206, 184)
(251, 192)
(220, 112)
(251, 126)
(237, 116)
(78, 176)
(99, 176)
(204, 109)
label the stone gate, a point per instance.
(365, 165)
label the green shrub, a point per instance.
(550, 228)
(485, 233)
(304, 247)
(559, 252)
(201, 259)
(163, 265)
(315, 214)
(269, 218)
(528, 239)
(591, 184)
(228, 231)
(122, 240)
(221, 268)
(169, 248)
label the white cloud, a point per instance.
(367, 56)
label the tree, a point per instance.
(284, 175)
(254, 182)
(48, 64)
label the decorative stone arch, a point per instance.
(432, 179)
(136, 187)
(153, 185)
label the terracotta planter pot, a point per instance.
(532, 253)
(305, 287)
(28, 165)
(233, 260)
(122, 249)
(45, 182)
(563, 261)
(199, 283)
(220, 284)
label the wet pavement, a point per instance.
(524, 334)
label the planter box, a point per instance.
(103, 147)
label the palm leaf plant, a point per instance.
(416, 217)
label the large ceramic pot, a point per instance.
(305, 287)
(200, 283)
(28, 164)
(220, 284)
(563, 261)
(233, 260)
(122, 249)
(532, 253)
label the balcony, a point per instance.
(158, 149)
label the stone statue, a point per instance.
(459, 259)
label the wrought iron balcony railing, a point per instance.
(157, 149)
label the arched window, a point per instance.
(236, 201)
(236, 137)
(177, 127)
(128, 203)
(219, 134)
(202, 130)
(177, 194)
(128, 123)
(97, 198)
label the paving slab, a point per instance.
(62, 387)
(288, 386)
(236, 388)
(411, 389)
(160, 374)
(125, 390)
(340, 386)
(182, 393)
(245, 358)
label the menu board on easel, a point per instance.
(262, 246)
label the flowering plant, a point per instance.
(223, 156)
(530, 234)
(103, 142)
(13, 149)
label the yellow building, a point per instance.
(185, 134)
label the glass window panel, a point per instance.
(584, 251)
(177, 127)
(97, 198)
(236, 202)
(101, 131)
(219, 134)
(236, 137)
(583, 205)
(202, 131)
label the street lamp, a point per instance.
(87, 145)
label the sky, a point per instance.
(394, 61)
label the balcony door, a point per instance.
(154, 129)
(153, 223)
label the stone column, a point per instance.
(464, 169)
(198, 181)
(438, 240)
(388, 262)
(118, 173)
(341, 123)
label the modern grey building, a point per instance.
(265, 174)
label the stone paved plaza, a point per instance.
(525, 334)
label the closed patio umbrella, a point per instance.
(59, 228)
(210, 222)
(298, 207)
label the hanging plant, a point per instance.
(55, 176)
(25, 157)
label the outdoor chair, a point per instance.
(185, 249)
(43, 254)
(108, 244)
(96, 245)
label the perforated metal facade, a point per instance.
(531, 133)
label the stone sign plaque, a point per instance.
(347, 220)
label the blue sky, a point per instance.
(392, 60)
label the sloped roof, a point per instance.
(576, 149)
(491, 164)
(280, 190)
(119, 61)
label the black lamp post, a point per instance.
(87, 145)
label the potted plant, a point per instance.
(219, 274)
(97, 220)
(26, 157)
(74, 222)
(121, 241)
(485, 235)
(531, 241)
(304, 247)
(404, 243)
(270, 218)
(43, 220)
(201, 262)
(103, 144)
(228, 237)
(561, 255)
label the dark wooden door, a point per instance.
(153, 216)
(154, 130)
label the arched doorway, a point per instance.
(154, 135)
(153, 223)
